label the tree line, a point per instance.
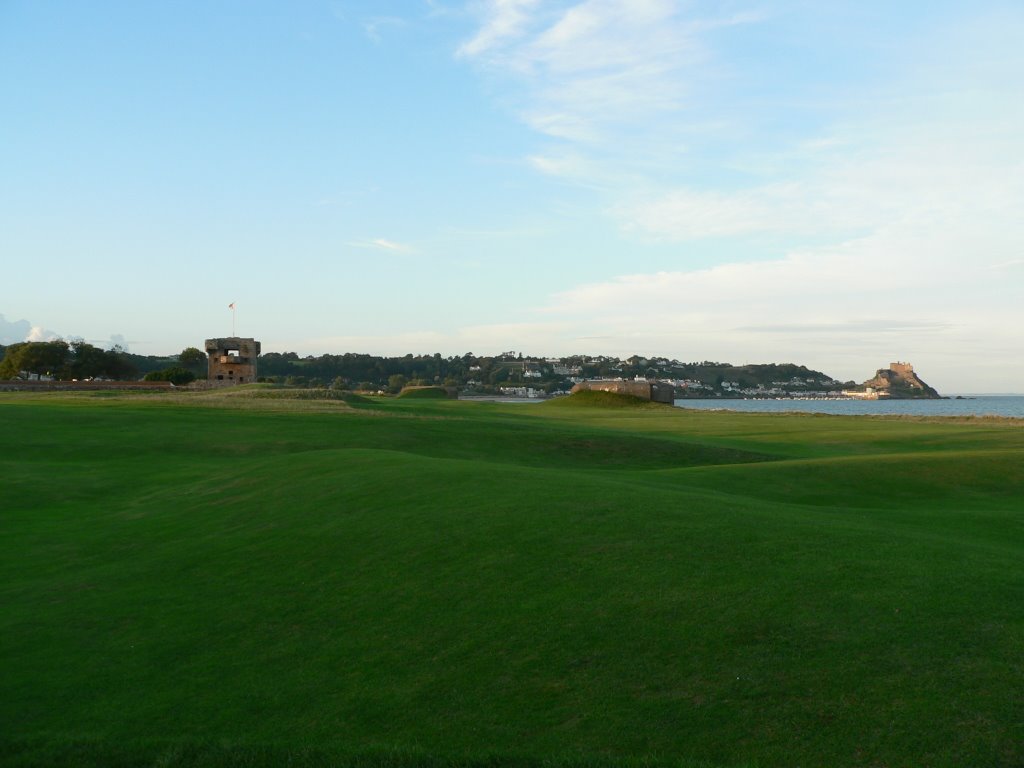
(77, 359)
(61, 359)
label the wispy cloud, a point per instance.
(859, 327)
(915, 171)
(564, 164)
(1004, 265)
(503, 21)
(473, 233)
(584, 68)
(436, 9)
(382, 244)
(644, 101)
(375, 26)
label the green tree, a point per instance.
(119, 364)
(395, 383)
(43, 358)
(193, 359)
(86, 361)
(176, 375)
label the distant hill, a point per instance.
(757, 380)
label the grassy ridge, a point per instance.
(444, 581)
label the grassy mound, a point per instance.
(436, 393)
(277, 392)
(433, 584)
(588, 398)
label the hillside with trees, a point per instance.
(486, 374)
(489, 374)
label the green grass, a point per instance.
(424, 392)
(595, 398)
(246, 578)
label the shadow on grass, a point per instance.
(99, 754)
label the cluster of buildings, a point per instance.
(795, 387)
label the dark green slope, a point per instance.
(417, 582)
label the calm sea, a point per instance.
(980, 405)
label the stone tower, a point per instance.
(232, 360)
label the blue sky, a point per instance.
(835, 184)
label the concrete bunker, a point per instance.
(232, 360)
(656, 391)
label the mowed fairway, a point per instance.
(243, 580)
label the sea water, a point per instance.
(979, 405)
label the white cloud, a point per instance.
(913, 179)
(12, 332)
(38, 333)
(567, 164)
(584, 68)
(382, 244)
(683, 214)
(645, 103)
(503, 20)
(1011, 264)
(844, 309)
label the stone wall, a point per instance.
(16, 385)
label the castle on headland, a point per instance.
(232, 360)
(898, 381)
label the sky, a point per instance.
(839, 185)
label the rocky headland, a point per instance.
(898, 381)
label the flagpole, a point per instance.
(231, 306)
